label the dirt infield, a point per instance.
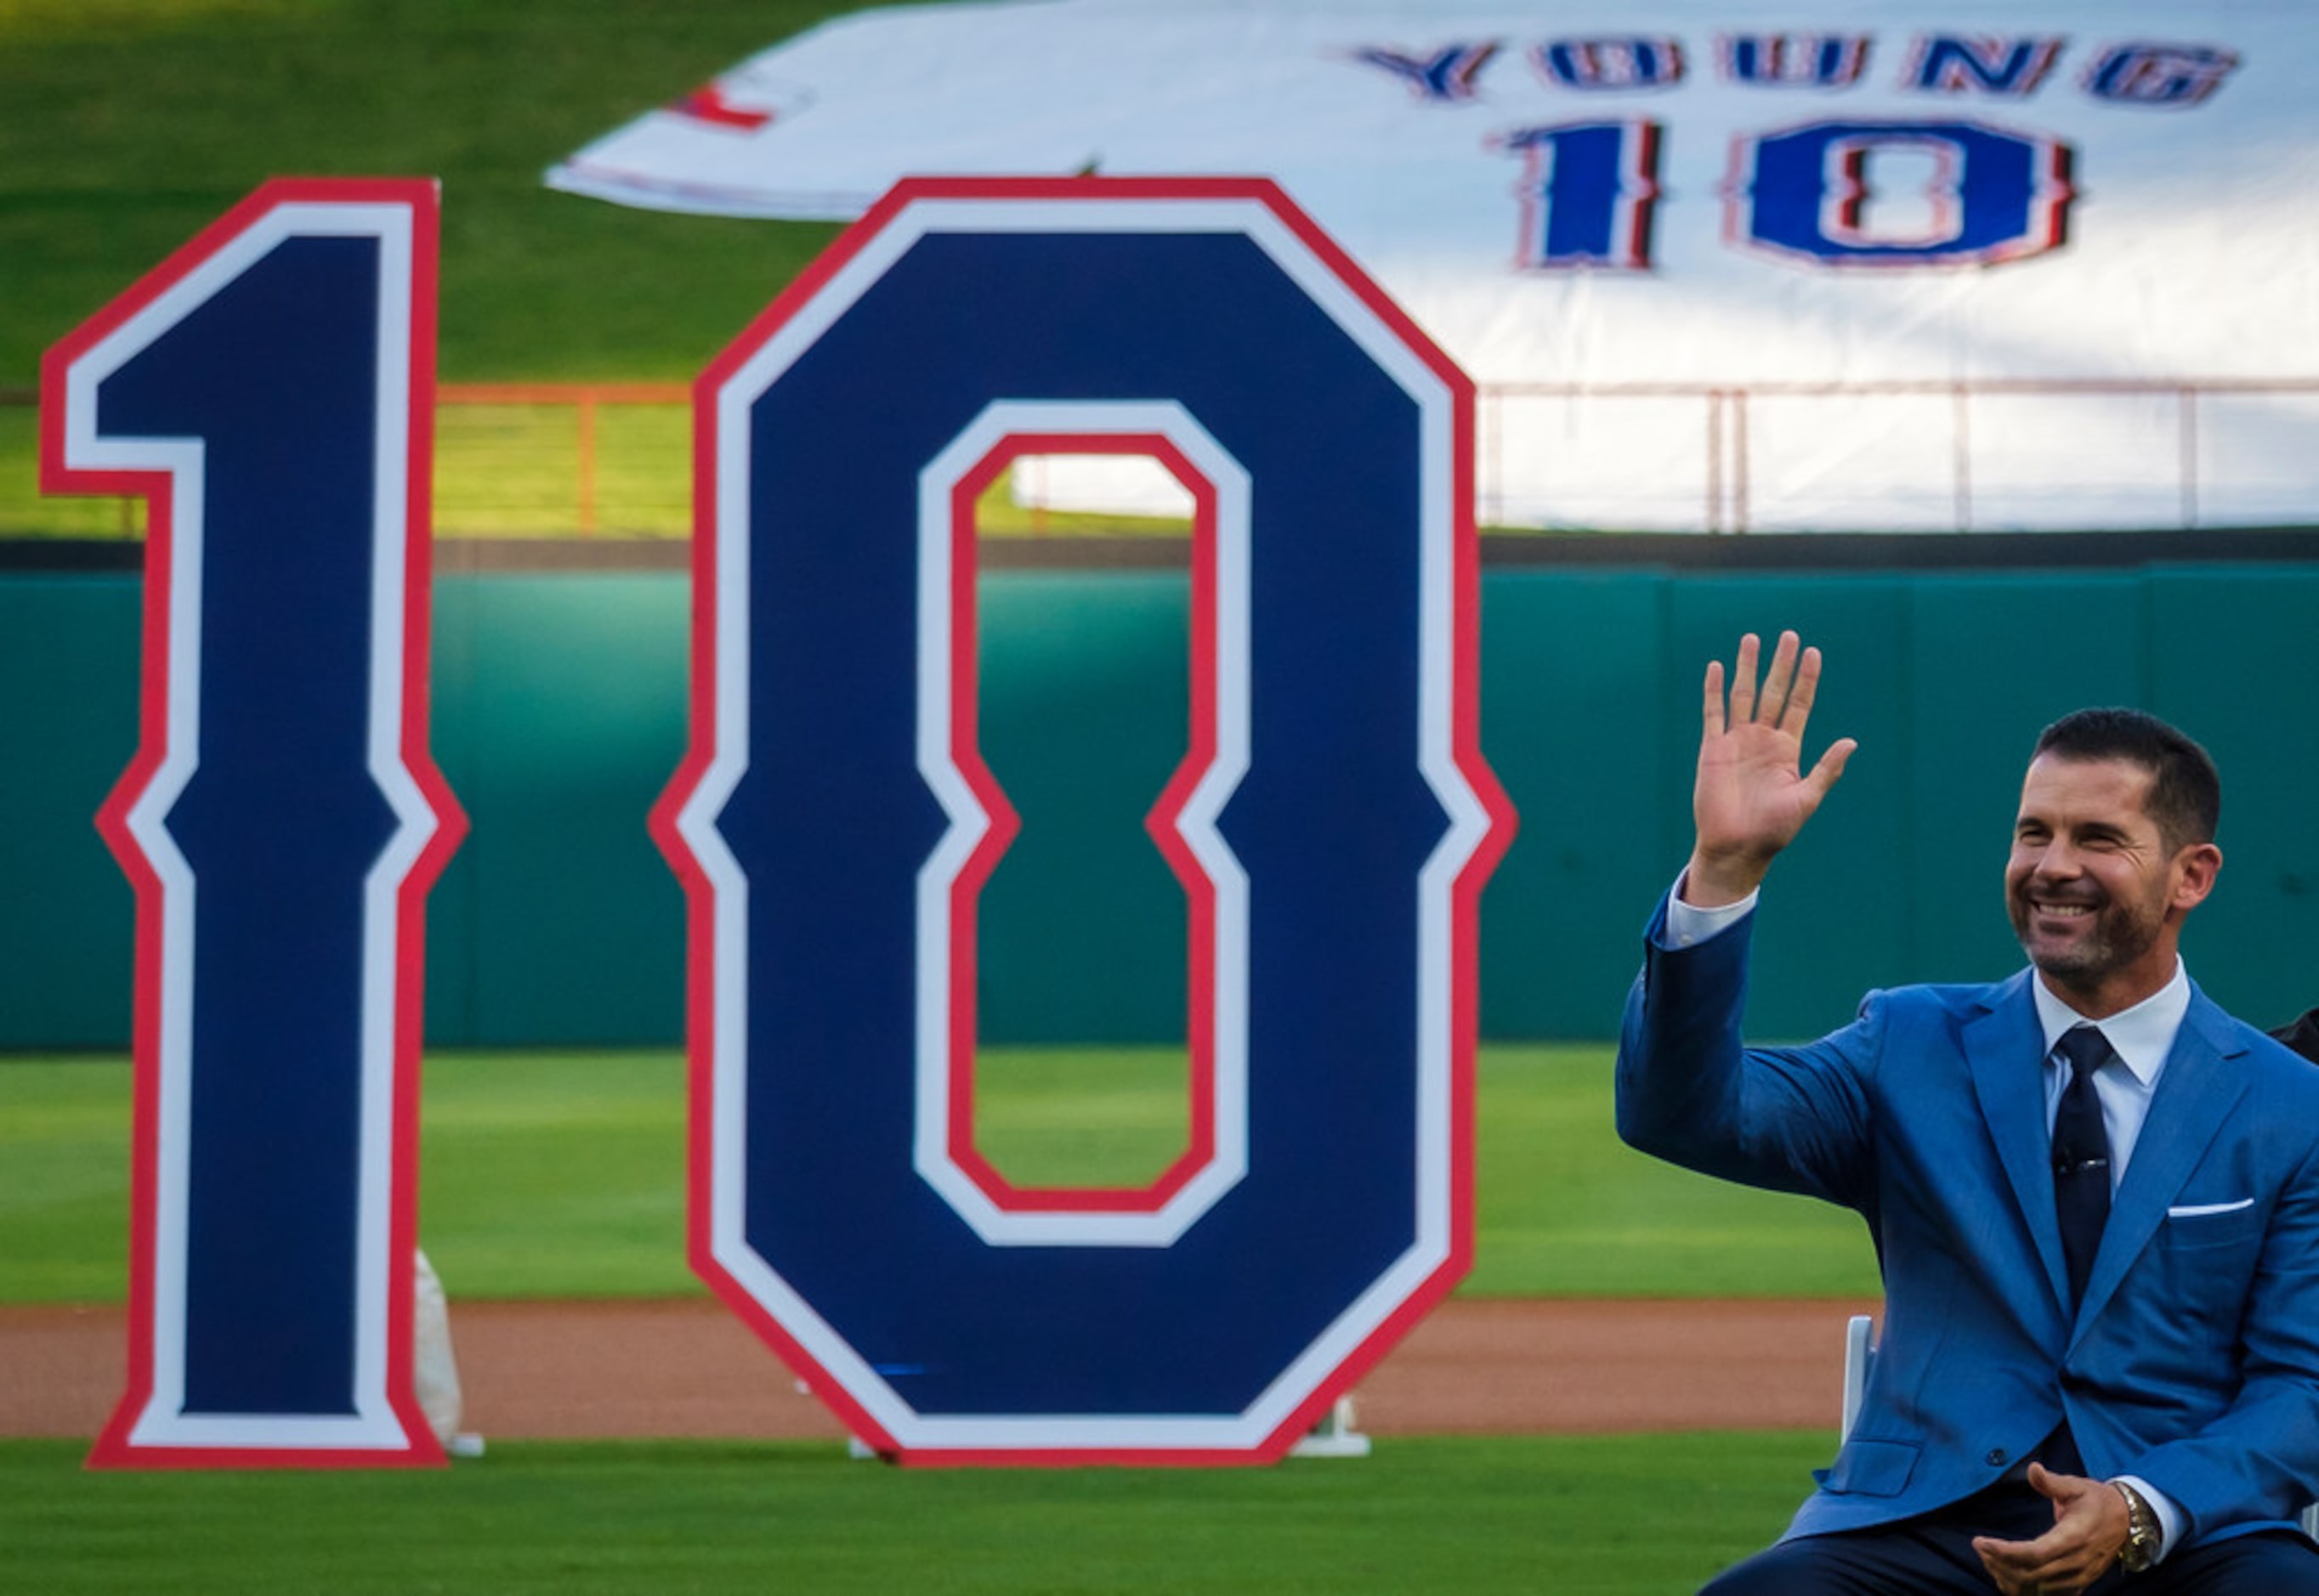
(689, 1368)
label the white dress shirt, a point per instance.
(2141, 1036)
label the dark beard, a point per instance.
(2119, 937)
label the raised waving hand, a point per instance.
(1751, 795)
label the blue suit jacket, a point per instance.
(2194, 1359)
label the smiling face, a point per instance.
(2095, 892)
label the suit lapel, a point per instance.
(2201, 1086)
(2006, 1049)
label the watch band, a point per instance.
(2144, 1535)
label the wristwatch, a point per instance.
(2143, 1534)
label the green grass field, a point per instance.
(131, 124)
(1620, 1516)
(553, 1174)
(561, 1175)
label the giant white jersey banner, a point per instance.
(1875, 266)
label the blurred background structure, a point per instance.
(1983, 357)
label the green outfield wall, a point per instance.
(560, 712)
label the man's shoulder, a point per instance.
(1940, 1018)
(1962, 1000)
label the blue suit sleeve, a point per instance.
(1690, 1092)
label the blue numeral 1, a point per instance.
(269, 391)
(1588, 193)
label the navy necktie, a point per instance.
(2081, 1156)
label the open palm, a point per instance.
(1751, 795)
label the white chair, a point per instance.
(1860, 1351)
(1859, 1348)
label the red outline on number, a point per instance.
(1199, 890)
(2047, 227)
(1634, 211)
(1465, 751)
(113, 1447)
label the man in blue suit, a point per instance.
(2094, 1195)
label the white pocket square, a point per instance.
(2201, 1210)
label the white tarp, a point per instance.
(1875, 265)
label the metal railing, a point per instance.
(1726, 461)
(511, 460)
(534, 459)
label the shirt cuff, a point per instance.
(2170, 1517)
(1687, 924)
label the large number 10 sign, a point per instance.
(1330, 823)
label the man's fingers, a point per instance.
(1801, 695)
(2003, 1561)
(1776, 680)
(2061, 1490)
(2013, 1557)
(1831, 765)
(2026, 1566)
(1743, 681)
(1711, 719)
(2067, 1558)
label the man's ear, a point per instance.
(2196, 867)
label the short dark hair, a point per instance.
(2185, 798)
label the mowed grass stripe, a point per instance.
(1473, 1516)
(562, 1174)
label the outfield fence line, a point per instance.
(614, 459)
(2197, 451)
(546, 459)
